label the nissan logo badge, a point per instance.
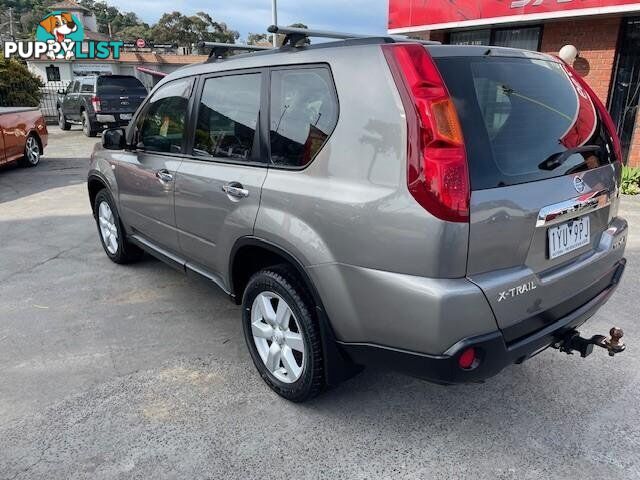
(579, 185)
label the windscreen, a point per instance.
(113, 85)
(523, 120)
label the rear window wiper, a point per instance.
(557, 159)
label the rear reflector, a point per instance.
(467, 360)
(437, 172)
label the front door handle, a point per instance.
(235, 189)
(164, 175)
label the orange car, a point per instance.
(23, 135)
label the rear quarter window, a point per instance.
(518, 115)
(304, 112)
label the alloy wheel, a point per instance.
(278, 337)
(108, 228)
(32, 151)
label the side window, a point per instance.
(228, 117)
(87, 85)
(161, 127)
(304, 112)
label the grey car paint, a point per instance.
(507, 249)
(374, 255)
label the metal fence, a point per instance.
(48, 98)
(48, 101)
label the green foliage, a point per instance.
(18, 86)
(630, 180)
(177, 28)
(257, 39)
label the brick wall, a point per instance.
(596, 39)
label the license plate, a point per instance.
(567, 237)
(126, 116)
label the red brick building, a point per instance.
(606, 33)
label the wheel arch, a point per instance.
(251, 254)
(95, 183)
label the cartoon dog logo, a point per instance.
(59, 26)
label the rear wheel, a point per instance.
(112, 235)
(88, 128)
(32, 152)
(62, 120)
(282, 334)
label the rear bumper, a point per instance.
(112, 119)
(494, 351)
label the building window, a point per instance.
(526, 38)
(53, 73)
(471, 37)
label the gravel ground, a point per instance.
(139, 372)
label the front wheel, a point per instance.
(87, 127)
(32, 152)
(112, 235)
(62, 120)
(282, 333)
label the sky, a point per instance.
(355, 16)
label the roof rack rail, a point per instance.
(296, 36)
(217, 48)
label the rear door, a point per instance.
(120, 94)
(543, 178)
(71, 103)
(218, 187)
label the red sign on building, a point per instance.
(406, 15)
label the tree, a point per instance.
(18, 86)
(257, 38)
(183, 30)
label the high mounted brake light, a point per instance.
(437, 171)
(602, 110)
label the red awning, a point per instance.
(154, 73)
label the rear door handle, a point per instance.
(164, 175)
(235, 189)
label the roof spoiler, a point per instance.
(296, 37)
(218, 49)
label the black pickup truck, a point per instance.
(98, 102)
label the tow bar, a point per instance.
(572, 341)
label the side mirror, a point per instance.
(61, 92)
(113, 139)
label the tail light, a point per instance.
(95, 101)
(605, 117)
(437, 171)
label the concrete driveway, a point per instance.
(139, 372)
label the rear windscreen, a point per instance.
(118, 85)
(523, 120)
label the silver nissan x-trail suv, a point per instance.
(443, 210)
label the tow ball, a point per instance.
(573, 342)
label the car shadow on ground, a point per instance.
(18, 182)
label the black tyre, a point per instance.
(62, 120)
(111, 233)
(32, 152)
(282, 333)
(88, 128)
